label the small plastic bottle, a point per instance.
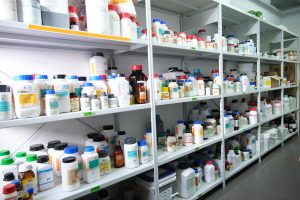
(57, 154)
(188, 88)
(8, 178)
(180, 129)
(50, 147)
(100, 144)
(37, 149)
(131, 153)
(73, 18)
(125, 25)
(73, 151)
(209, 172)
(171, 143)
(9, 192)
(165, 95)
(112, 101)
(188, 139)
(75, 102)
(51, 103)
(20, 158)
(197, 131)
(90, 162)
(95, 103)
(104, 101)
(143, 152)
(89, 141)
(173, 89)
(45, 174)
(85, 102)
(114, 20)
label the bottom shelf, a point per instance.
(244, 164)
(204, 188)
(288, 136)
(277, 143)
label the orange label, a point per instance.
(27, 99)
(120, 1)
(57, 165)
(193, 131)
(50, 159)
(142, 95)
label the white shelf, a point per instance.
(270, 119)
(289, 135)
(239, 57)
(277, 143)
(186, 99)
(116, 176)
(241, 130)
(270, 60)
(164, 156)
(244, 164)
(290, 61)
(290, 111)
(270, 89)
(291, 86)
(204, 188)
(240, 93)
(72, 115)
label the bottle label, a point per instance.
(70, 177)
(53, 104)
(45, 176)
(132, 154)
(4, 106)
(94, 164)
(27, 100)
(190, 183)
(28, 183)
(142, 95)
(104, 167)
(61, 93)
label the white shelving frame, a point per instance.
(18, 34)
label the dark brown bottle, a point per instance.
(118, 155)
(135, 76)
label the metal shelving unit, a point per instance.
(19, 34)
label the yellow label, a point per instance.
(268, 82)
(120, 1)
(93, 68)
(99, 92)
(27, 99)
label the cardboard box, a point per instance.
(275, 81)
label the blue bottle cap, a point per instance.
(71, 150)
(41, 77)
(88, 85)
(23, 78)
(142, 143)
(111, 77)
(49, 92)
(89, 149)
(95, 78)
(72, 77)
(156, 20)
(30, 190)
(180, 122)
(149, 130)
(225, 115)
(197, 122)
(188, 80)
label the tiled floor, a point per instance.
(276, 178)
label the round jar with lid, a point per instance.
(73, 151)
(185, 179)
(45, 174)
(131, 153)
(9, 192)
(57, 154)
(89, 141)
(62, 91)
(70, 174)
(20, 158)
(90, 161)
(37, 149)
(104, 163)
(50, 147)
(100, 144)
(51, 103)
(6, 104)
(44, 84)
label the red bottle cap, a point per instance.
(182, 77)
(136, 67)
(124, 15)
(72, 9)
(74, 19)
(189, 37)
(209, 162)
(8, 189)
(194, 37)
(103, 77)
(155, 75)
(144, 31)
(252, 109)
(132, 18)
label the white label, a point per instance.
(166, 194)
(45, 176)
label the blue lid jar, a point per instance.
(142, 143)
(49, 92)
(89, 149)
(41, 77)
(95, 78)
(72, 77)
(88, 85)
(71, 150)
(23, 78)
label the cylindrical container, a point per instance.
(112, 85)
(245, 82)
(32, 160)
(188, 88)
(104, 163)
(99, 83)
(51, 103)
(8, 10)
(110, 136)
(188, 139)
(85, 104)
(133, 28)
(7, 165)
(185, 179)
(112, 101)
(253, 116)
(197, 131)
(45, 174)
(37, 149)
(180, 129)
(123, 91)
(20, 158)
(9, 192)
(26, 177)
(173, 89)
(118, 157)
(98, 63)
(276, 108)
(8, 178)
(50, 147)
(100, 144)
(114, 20)
(143, 152)
(89, 141)
(125, 25)
(57, 154)
(88, 89)
(26, 97)
(73, 151)
(70, 174)
(90, 163)
(74, 84)
(6, 104)
(61, 87)
(75, 102)
(29, 11)
(121, 138)
(209, 172)
(95, 103)
(171, 143)
(131, 153)
(97, 16)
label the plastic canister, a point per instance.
(57, 154)
(197, 131)
(51, 103)
(227, 124)
(253, 116)
(131, 153)
(7, 165)
(125, 25)
(8, 10)
(55, 13)
(209, 172)
(133, 28)
(245, 82)
(123, 95)
(104, 163)
(88, 89)
(125, 6)
(50, 147)
(110, 136)
(188, 88)
(29, 11)
(74, 85)
(37, 149)
(6, 104)
(8, 178)
(98, 63)
(143, 152)
(188, 139)
(9, 192)
(286, 103)
(114, 20)
(70, 174)
(112, 85)
(45, 174)
(61, 87)
(73, 151)
(276, 109)
(99, 84)
(185, 179)
(100, 144)
(180, 129)
(90, 163)
(97, 16)
(26, 97)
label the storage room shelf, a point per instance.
(290, 111)
(291, 86)
(240, 93)
(270, 89)
(241, 130)
(244, 164)
(290, 61)
(72, 115)
(239, 57)
(270, 119)
(204, 188)
(289, 135)
(265, 60)
(164, 156)
(20, 34)
(277, 143)
(186, 99)
(116, 176)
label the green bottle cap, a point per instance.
(21, 154)
(4, 153)
(31, 158)
(7, 161)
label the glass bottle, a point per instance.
(140, 95)
(118, 157)
(135, 76)
(74, 101)
(27, 178)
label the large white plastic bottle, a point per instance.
(197, 131)
(8, 10)
(125, 6)
(185, 180)
(209, 172)
(114, 20)
(97, 16)
(123, 91)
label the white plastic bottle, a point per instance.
(90, 163)
(173, 88)
(29, 11)
(85, 104)
(45, 174)
(57, 154)
(157, 88)
(26, 97)
(114, 20)
(286, 103)
(131, 153)
(123, 94)
(143, 152)
(201, 86)
(44, 84)
(209, 172)
(8, 10)
(51, 103)
(112, 85)
(227, 124)
(61, 87)
(6, 104)
(50, 147)
(195, 85)
(7, 165)
(185, 180)
(197, 131)
(99, 83)
(73, 151)
(37, 149)
(110, 136)
(70, 174)
(95, 103)
(97, 16)
(125, 6)
(74, 84)
(133, 28)
(180, 129)
(125, 25)
(245, 82)
(253, 116)
(98, 64)
(89, 141)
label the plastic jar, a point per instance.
(37, 149)
(57, 154)
(180, 129)
(26, 97)
(29, 11)
(245, 82)
(61, 87)
(85, 104)
(171, 143)
(114, 20)
(74, 84)
(51, 103)
(110, 136)
(45, 174)
(89, 141)
(125, 25)
(112, 101)
(173, 89)
(43, 84)
(99, 83)
(197, 131)
(209, 172)
(75, 102)
(8, 178)
(70, 175)
(6, 110)
(104, 163)
(123, 95)
(104, 101)
(286, 103)
(188, 85)
(4, 154)
(215, 89)
(95, 103)
(97, 16)
(100, 144)
(131, 153)
(90, 163)
(7, 166)
(98, 63)
(143, 152)
(20, 158)
(266, 82)
(276, 109)
(112, 85)
(9, 192)
(185, 180)
(88, 88)
(188, 139)
(200, 86)
(73, 151)
(253, 116)
(165, 95)
(74, 20)
(50, 147)
(27, 177)
(8, 10)
(181, 88)
(148, 138)
(32, 160)
(237, 86)
(227, 124)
